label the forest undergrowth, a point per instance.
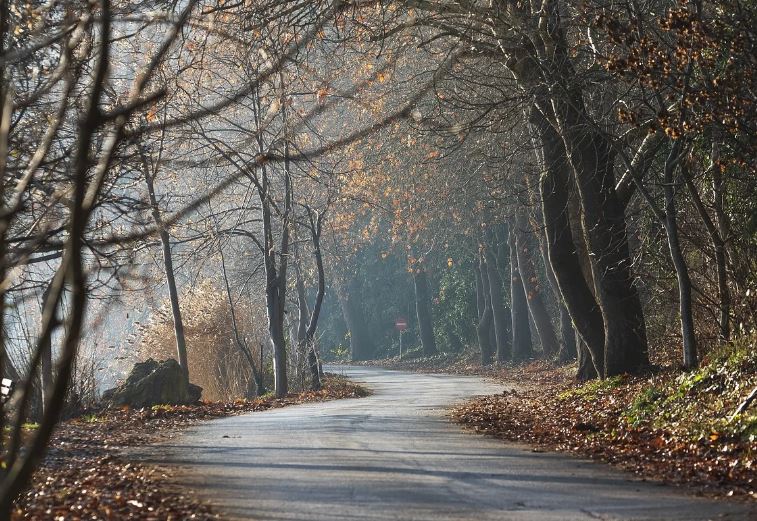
(86, 474)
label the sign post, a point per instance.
(401, 325)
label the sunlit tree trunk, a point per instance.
(567, 350)
(315, 223)
(717, 229)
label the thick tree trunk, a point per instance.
(361, 345)
(555, 187)
(500, 312)
(424, 311)
(586, 369)
(542, 322)
(604, 226)
(485, 317)
(522, 347)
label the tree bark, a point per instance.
(46, 373)
(555, 185)
(567, 350)
(690, 360)
(542, 321)
(603, 220)
(500, 312)
(361, 345)
(173, 294)
(424, 311)
(522, 347)
(314, 363)
(586, 368)
(485, 313)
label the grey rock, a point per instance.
(153, 383)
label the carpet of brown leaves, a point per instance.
(85, 477)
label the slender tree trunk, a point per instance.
(173, 294)
(721, 222)
(255, 385)
(716, 233)
(46, 373)
(485, 318)
(542, 322)
(500, 313)
(303, 311)
(568, 333)
(275, 261)
(314, 362)
(423, 311)
(522, 347)
(555, 187)
(682, 271)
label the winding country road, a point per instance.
(395, 456)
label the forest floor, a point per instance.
(673, 426)
(85, 476)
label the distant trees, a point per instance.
(606, 132)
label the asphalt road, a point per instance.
(395, 456)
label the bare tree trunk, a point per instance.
(555, 187)
(604, 226)
(568, 333)
(315, 223)
(586, 368)
(423, 311)
(275, 262)
(717, 229)
(361, 345)
(173, 294)
(682, 271)
(255, 386)
(46, 374)
(721, 221)
(303, 311)
(522, 347)
(485, 312)
(500, 313)
(542, 322)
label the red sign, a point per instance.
(400, 324)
